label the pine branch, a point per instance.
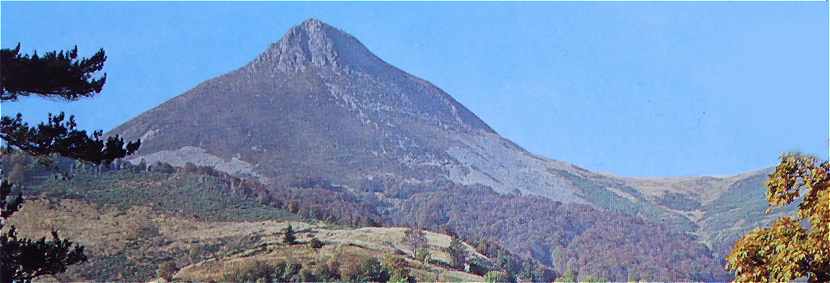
(55, 74)
(25, 259)
(63, 138)
(8, 205)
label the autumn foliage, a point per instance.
(795, 246)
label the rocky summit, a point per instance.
(318, 103)
(318, 109)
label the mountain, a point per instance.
(335, 132)
(318, 103)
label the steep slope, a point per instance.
(318, 113)
(319, 104)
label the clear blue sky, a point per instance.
(638, 89)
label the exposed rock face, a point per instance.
(318, 103)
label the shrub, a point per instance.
(249, 272)
(496, 276)
(289, 237)
(194, 253)
(458, 253)
(542, 274)
(396, 268)
(479, 266)
(307, 275)
(260, 271)
(369, 270)
(167, 270)
(373, 271)
(162, 167)
(568, 276)
(327, 271)
(315, 243)
(423, 255)
(286, 272)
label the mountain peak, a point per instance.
(314, 29)
(315, 43)
(315, 23)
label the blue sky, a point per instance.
(636, 89)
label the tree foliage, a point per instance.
(55, 74)
(589, 241)
(166, 270)
(415, 238)
(397, 269)
(370, 270)
(63, 138)
(261, 271)
(22, 259)
(496, 277)
(457, 252)
(793, 247)
(423, 255)
(60, 75)
(315, 243)
(289, 237)
(568, 276)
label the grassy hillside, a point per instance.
(722, 209)
(130, 244)
(133, 221)
(346, 246)
(136, 203)
(128, 221)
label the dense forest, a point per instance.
(568, 237)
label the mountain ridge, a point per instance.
(317, 107)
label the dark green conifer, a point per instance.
(457, 252)
(289, 237)
(55, 75)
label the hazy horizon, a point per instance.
(645, 89)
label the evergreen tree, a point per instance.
(457, 252)
(289, 237)
(55, 75)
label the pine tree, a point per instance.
(289, 237)
(457, 252)
(55, 75)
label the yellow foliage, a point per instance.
(793, 247)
